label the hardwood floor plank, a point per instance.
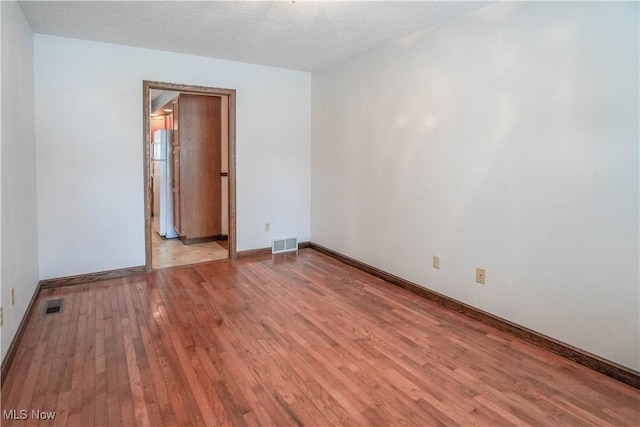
(211, 416)
(100, 408)
(137, 322)
(38, 396)
(114, 417)
(183, 404)
(57, 360)
(74, 413)
(127, 413)
(72, 312)
(157, 379)
(137, 394)
(20, 398)
(88, 409)
(297, 339)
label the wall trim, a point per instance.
(17, 338)
(596, 363)
(91, 277)
(267, 251)
(192, 240)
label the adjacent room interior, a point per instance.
(454, 187)
(189, 177)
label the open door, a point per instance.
(211, 163)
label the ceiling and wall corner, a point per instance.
(18, 221)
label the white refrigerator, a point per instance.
(162, 192)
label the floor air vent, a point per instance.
(287, 244)
(53, 306)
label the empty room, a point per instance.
(313, 213)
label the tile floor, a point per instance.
(171, 252)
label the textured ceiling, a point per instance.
(305, 35)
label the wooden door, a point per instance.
(200, 166)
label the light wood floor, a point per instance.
(293, 339)
(171, 252)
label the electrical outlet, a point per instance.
(480, 275)
(267, 226)
(13, 296)
(436, 261)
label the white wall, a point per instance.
(506, 139)
(19, 236)
(90, 156)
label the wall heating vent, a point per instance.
(53, 306)
(286, 244)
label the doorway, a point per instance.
(228, 178)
